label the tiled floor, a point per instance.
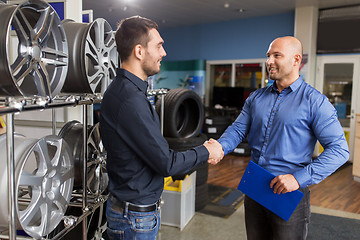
(205, 227)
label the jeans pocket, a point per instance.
(144, 222)
(115, 234)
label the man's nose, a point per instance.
(164, 52)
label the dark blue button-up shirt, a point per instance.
(282, 130)
(138, 156)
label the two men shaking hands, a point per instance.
(216, 152)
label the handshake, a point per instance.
(216, 152)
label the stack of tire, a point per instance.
(183, 119)
(215, 127)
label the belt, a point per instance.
(119, 206)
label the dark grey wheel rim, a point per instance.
(34, 51)
(93, 56)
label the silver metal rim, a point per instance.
(93, 59)
(40, 61)
(44, 181)
(96, 165)
(97, 177)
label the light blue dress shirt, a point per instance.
(282, 130)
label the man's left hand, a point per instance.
(284, 183)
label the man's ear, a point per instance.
(298, 59)
(139, 51)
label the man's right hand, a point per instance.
(216, 152)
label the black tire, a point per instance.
(183, 113)
(202, 171)
(216, 125)
(201, 196)
(184, 144)
(217, 120)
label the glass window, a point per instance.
(222, 75)
(248, 75)
(338, 78)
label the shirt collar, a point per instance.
(142, 85)
(295, 85)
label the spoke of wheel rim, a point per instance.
(54, 62)
(18, 64)
(95, 79)
(41, 79)
(55, 52)
(61, 203)
(66, 174)
(28, 214)
(92, 51)
(43, 155)
(59, 152)
(99, 37)
(43, 26)
(109, 41)
(91, 174)
(91, 163)
(28, 179)
(112, 70)
(104, 84)
(23, 73)
(46, 210)
(93, 144)
(25, 30)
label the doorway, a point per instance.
(337, 78)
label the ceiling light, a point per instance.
(226, 5)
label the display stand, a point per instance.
(13, 105)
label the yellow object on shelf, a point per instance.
(2, 125)
(178, 201)
(177, 185)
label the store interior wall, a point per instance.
(239, 39)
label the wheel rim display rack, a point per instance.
(14, 105)
(11, 105)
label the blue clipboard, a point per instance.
(255, 183)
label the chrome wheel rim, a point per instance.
(96, 165)
(97, 177)
(44, 181)
(34, 50)
(93, 56)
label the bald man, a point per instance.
(282, 123)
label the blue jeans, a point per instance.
(133, 225)
(262, 224)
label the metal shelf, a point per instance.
(11, 105)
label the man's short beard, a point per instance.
(149, 71)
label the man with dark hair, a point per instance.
(138, 156)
